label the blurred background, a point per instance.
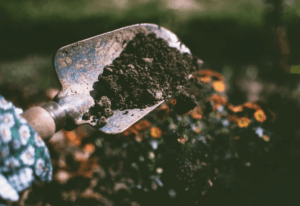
(253, 43)
(235, 37)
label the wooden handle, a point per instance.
(41, 121)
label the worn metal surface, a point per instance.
(78, 66)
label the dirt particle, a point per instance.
(104, 102)
(102, 121)
(147, 60)
(86, 116)
(108, 112)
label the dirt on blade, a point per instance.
(146, 72)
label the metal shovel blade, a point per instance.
(78, 66)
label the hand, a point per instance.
(24, 157)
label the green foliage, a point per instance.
(221, 32)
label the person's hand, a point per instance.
(24, 157)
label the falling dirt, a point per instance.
(146, 72)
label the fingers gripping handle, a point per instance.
(46, 120)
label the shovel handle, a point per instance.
(46, 120)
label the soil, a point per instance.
(146, 72)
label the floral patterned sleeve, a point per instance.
(24, 157)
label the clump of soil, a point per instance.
(185, 102)
(146, 72)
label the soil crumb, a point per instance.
(146, 72)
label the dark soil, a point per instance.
(146, 72)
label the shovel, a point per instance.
(78, 66)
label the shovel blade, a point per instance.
(78, 66)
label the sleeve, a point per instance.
(24, 157)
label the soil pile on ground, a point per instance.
(146, 72)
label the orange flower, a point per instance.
(86, 167)
(243, 122)
(266, 138)
(142, 125)
(218, 99)
(164, 107)
(188, 113)
(72, 137)
(139, 138)
(130, 130)
(155, 132)
(232, 118)
(260, 115)
(135, 131)
(219, 86)
(173, 101)
(217, 106)
(127, 132)
(205, 72)
(251, 105)
(205, 79)
(218, 75)
(182, 140)
(237, 137)
(197, 130)
(235, 109)
(197, 112)
(90, 148)
(211, 73)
